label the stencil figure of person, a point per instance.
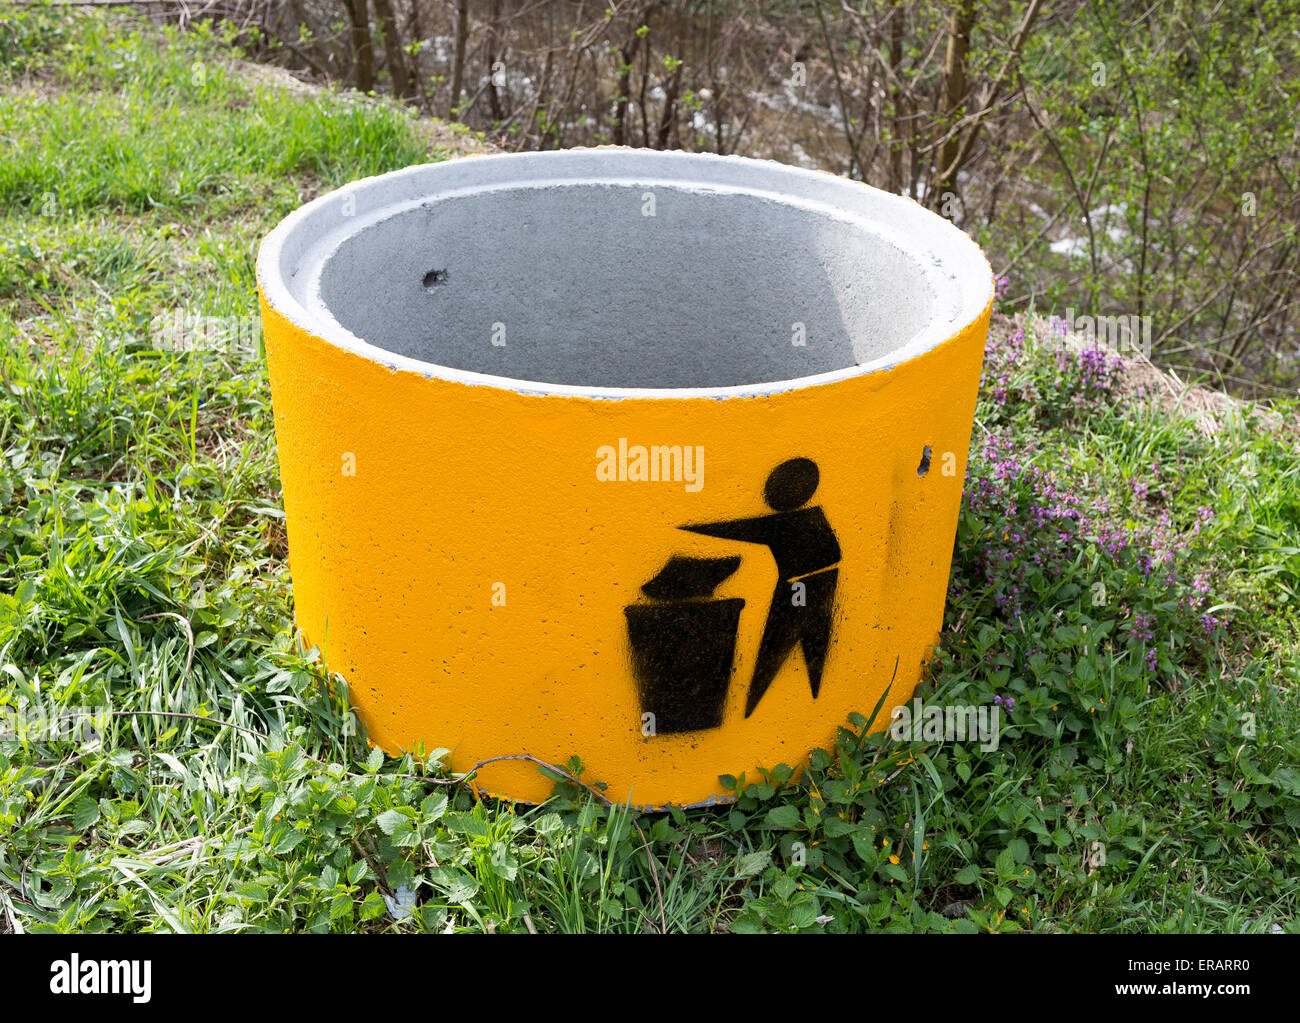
(806, 553)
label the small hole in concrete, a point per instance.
(924, 467)
(433, 278)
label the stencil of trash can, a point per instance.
(684, 644)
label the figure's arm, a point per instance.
(744, 530)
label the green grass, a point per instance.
(142, 570)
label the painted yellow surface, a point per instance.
(416, 506)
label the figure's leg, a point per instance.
(815, 628)
(779, 637)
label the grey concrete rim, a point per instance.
(291, 258)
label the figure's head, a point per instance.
(791, 484)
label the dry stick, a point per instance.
(953, 95)
(990, 100)
(492, 40)
(654, 871)
(1271, 157)
(458, 61)
(381, 875)
(669, 114)
(855, 150)
(897, 97)
(1067, 282)
(189, 632)
(1084, 198)
(362, 44)
(580, 44)
(178, 850)
(872, 110)
(1146, 169)
(394, 51)
(196, 717)
(542, 85)
(1269, 310)
(951, 134)
(1230, 280)
(645, 82)
(1268, 303)
(1006, 270)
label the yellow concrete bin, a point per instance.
(651, 458)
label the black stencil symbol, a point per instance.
(683, 642)
(806, 551)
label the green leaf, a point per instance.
(804, 913)
(748, 923)
(1288, 779)
(371, 907)
(783, 817)
(461, 890)
(896, 871)
(504, 865)
(390, 820)
(754, 863)
(548, 824)
(341, 906)
(433, 807)
(467, 824)
(405, 835)
(287, 842)
(358, 872)
(85, 811)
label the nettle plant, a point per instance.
(1047, 381)
(1073, 603)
